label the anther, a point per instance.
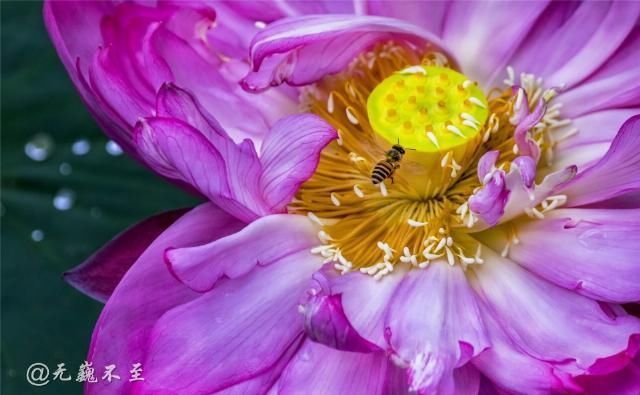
(314, 218)
(330, 103)
(383, 189)
(453, 129)
(477, 102)
(358, 191)
(416, 224)
(352, 118)
(334, 199)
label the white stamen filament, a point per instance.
(358, 191)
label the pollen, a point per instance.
(415, 90)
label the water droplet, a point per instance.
(64, 199)
(81, 147)
(37, 235)
(65, 169)
(113, 148)
(95, 212)
(40, 147)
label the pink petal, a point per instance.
(483, 48)
(99, 274)
(290, 155)
(593, 252)
(238, 330)
(268, 239)
(615, 174)
(176, 150)
(615, 85)
(514, 370)
(302, 50)
(598, 46)
(595, 133)
(522, 197)
(488, 202)
(430, 16)
(433, 324)
(486, 163)
(264, 382)
(623, 382)
(147, 291)
(365, 302)
(325, 320)
(540, 319)
(322, 370)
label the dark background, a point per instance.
(43, 318)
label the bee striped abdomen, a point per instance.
(382, 170)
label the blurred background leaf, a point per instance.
(99, 194)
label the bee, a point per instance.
(386, 167)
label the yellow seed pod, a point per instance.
(429, 109)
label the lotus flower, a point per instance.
(499, 257)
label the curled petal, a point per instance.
(615, 174)
(286, 234)
(486, 163)
(522, 199)
(521, 134)
(99, 274)
(527, 167)
(290, 154)
(490, 201)
(326, 323)
(302, 50)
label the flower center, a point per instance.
(394, 187)
(429, 109)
